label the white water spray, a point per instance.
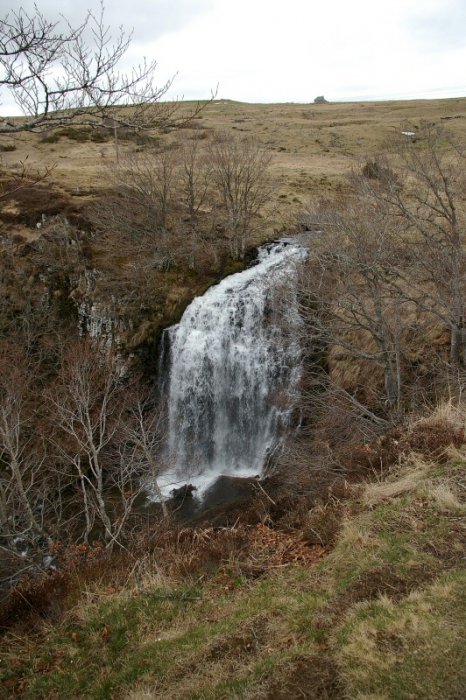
(233, 373)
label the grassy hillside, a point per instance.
(362, 597)
(313, 146)
(347, 579)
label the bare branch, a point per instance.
(57, 75)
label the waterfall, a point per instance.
(234, 367)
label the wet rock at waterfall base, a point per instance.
(180, 494)
(219, 505)
(230, 489)
(183, 501)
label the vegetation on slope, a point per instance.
(313, 146)
(261, 611)
(347, 579)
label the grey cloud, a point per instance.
(147, 19)
(441, 28)
(150, 19)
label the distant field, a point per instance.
(313, 146)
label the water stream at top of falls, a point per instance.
(233, 372)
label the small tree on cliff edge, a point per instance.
(422, 188)
(60, 74)
(240, 175)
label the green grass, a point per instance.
(380, 617)
(414, 648)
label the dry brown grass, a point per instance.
(413, 478)
(379, 639)
(313, 146)
(438, 436)
(377, 613)
(410, 478)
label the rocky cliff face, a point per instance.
(64, 277)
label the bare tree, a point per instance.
(390, 260)
(105, 441)
(194, 186)
(144, 431)
(135, 216)
(348, 298)
(60, 74)
(240, 172)
(422, 189)
(88, 404)
(24, 480)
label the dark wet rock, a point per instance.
(185, 491)
(228, 489)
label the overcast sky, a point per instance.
(292, 50)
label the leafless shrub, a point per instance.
(59, 74)
(240, 171)
(421, 189)
(105, 440)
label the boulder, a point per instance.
(186, 491)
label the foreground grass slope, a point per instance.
(378, 610)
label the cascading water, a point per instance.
(234, 366)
